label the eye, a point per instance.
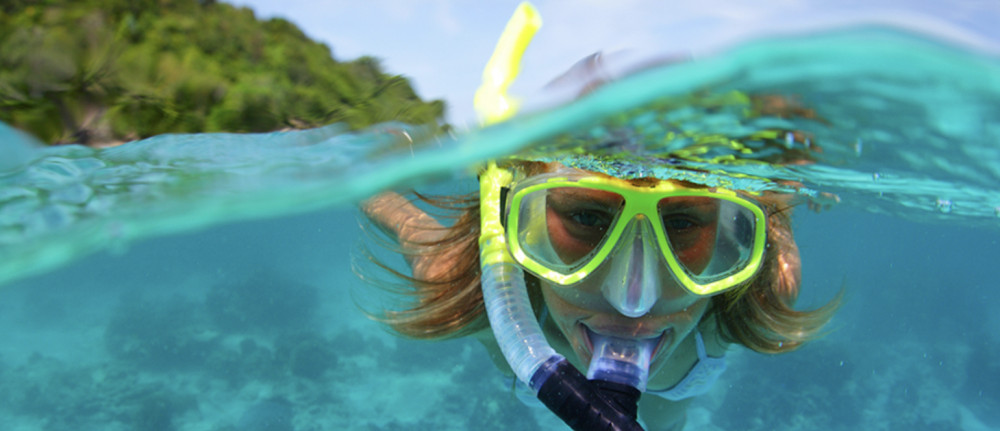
(679, 223)
(591, 219)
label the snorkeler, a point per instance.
(601, 262)
(683, 270)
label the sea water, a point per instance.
(206, 281)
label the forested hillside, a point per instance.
(102, 71)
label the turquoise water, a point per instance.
(205, 282)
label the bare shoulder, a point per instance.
(489, 342)
(399, 218)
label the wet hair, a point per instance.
(449, 302)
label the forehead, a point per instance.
(537, 169)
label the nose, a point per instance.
(633, 283)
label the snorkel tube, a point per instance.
(583, 404)
(607, 404)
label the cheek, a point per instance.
(686, 319)
(581, 300)
(563, 306)
(696, 251)
(565, 310)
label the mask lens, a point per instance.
(711, 238)
(562, 227)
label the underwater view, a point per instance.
(215, 281)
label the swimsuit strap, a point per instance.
(700, 342)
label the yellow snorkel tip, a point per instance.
(491, 101)
(493, 106)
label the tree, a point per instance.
(97, 71)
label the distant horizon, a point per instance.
(441, 46)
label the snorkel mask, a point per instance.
(564, 225)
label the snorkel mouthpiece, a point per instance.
(621, 360)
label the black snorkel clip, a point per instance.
(586, 405)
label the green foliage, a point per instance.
(96, 71)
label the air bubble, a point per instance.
(858, 146)
(876, 176)
(789, 140)
(944, 205)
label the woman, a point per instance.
(684, 269)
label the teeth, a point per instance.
(590, 336)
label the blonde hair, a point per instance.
(449, 303)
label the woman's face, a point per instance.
(577, 220)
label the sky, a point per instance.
(442, 45)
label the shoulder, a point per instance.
(486, 338)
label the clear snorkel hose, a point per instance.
(583, 404)
(506, 298)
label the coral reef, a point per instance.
(981, 390)
(306, 355)
(262, 302)
(105, 397)
(274, 414)
(165, 335)
(832, 386)
(252, 355)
